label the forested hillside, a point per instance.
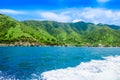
(35, 33)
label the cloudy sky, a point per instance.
(95, 11)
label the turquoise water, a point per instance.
(25, 63)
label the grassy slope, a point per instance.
(55, 33)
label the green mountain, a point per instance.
(33, 32)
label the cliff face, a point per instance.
(31, 33)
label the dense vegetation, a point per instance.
(54, 33)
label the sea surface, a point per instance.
(59, 63)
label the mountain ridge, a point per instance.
(32, 32)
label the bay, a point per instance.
(25, 63)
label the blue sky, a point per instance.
(96, 11)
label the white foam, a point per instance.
(108, 69)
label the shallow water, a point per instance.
(25, 63)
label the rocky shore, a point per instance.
(21, 44)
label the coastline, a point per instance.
(43, 45)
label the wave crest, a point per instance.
(108, 69)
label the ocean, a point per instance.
(59, 63)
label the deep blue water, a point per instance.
(26, 63)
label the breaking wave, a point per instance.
(108, 69)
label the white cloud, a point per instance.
(94, 15)
(76, 20)
(61, 17)
(103, 1)
(97, 15)
(9, 11)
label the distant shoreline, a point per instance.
(31, 45)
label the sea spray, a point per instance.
(108, 69)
